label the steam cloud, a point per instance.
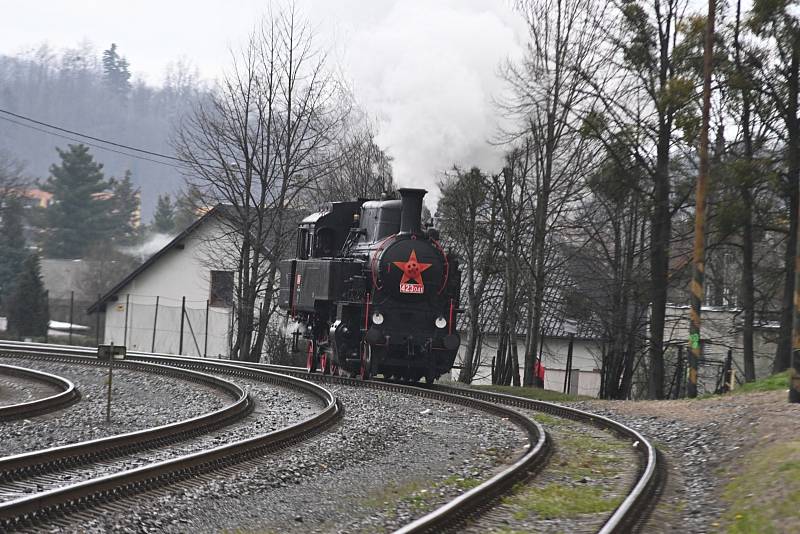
(428, 72)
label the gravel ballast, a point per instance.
(392, 458)
(19, 389)
(276, 407)
(140, 400)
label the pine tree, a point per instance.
(28, 310)
(187, 205)
(164, 217)
(115, 71)
(81, 210)
(12, 246)
(125, 212)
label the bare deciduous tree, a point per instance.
(550, 88)
(468, 215)
(270, 131)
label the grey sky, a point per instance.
(424, 70)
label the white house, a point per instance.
(179, 300)
(585, 374)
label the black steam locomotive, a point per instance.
(371, 292)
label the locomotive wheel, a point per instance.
(311, 357)
(324, 368)
(366, 362)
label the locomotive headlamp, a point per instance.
(377, 318)
(440, 322)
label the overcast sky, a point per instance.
(425, 70)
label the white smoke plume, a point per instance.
(428, 72)
(153, 244)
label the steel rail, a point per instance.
(25, 465)
(63, 398)
(630, 512)
(29, 510)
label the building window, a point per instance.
(221, 288)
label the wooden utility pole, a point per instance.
(698, 272)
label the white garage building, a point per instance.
(179, 300)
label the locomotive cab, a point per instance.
(323, 234)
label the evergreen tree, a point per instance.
(187, 207)
(115, 71)
(12, 246)
(81, 210)
(28, 310)
(164, 217)
(125, 211)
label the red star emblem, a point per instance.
(412, 269)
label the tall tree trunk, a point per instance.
(660, 231)
(748, 288)
(467, 372)
(748, 282)
(784, 352)
(264, 313)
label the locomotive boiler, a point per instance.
(373, 293)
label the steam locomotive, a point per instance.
(371, 292)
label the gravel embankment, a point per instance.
(705, 444)
(391, 459)
(276, 407)
(19, 389)
(140, 400)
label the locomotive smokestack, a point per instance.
(411, 212)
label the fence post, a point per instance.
(71, 314)
(568, 370)
(680, 373)
(125, 332)
(205, 345)
(155, 322)
(97, 321)
(183, 315)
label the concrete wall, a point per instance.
(720, 331)
(586, 356)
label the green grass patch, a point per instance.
(550, 420)
(416, 494)
(775, 382)
(558, 501)
(532, 393)
(765, 496)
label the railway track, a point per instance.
(632, 510)
(63, 500)
(627, 517)
(67, 394)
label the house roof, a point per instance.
(155, 257)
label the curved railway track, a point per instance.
(63, 398)
(626, 517)
(30, 510)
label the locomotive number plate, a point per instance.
(412, 288)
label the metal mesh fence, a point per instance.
(164, 325)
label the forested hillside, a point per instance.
(92, 92)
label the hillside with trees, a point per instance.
(92, 92)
